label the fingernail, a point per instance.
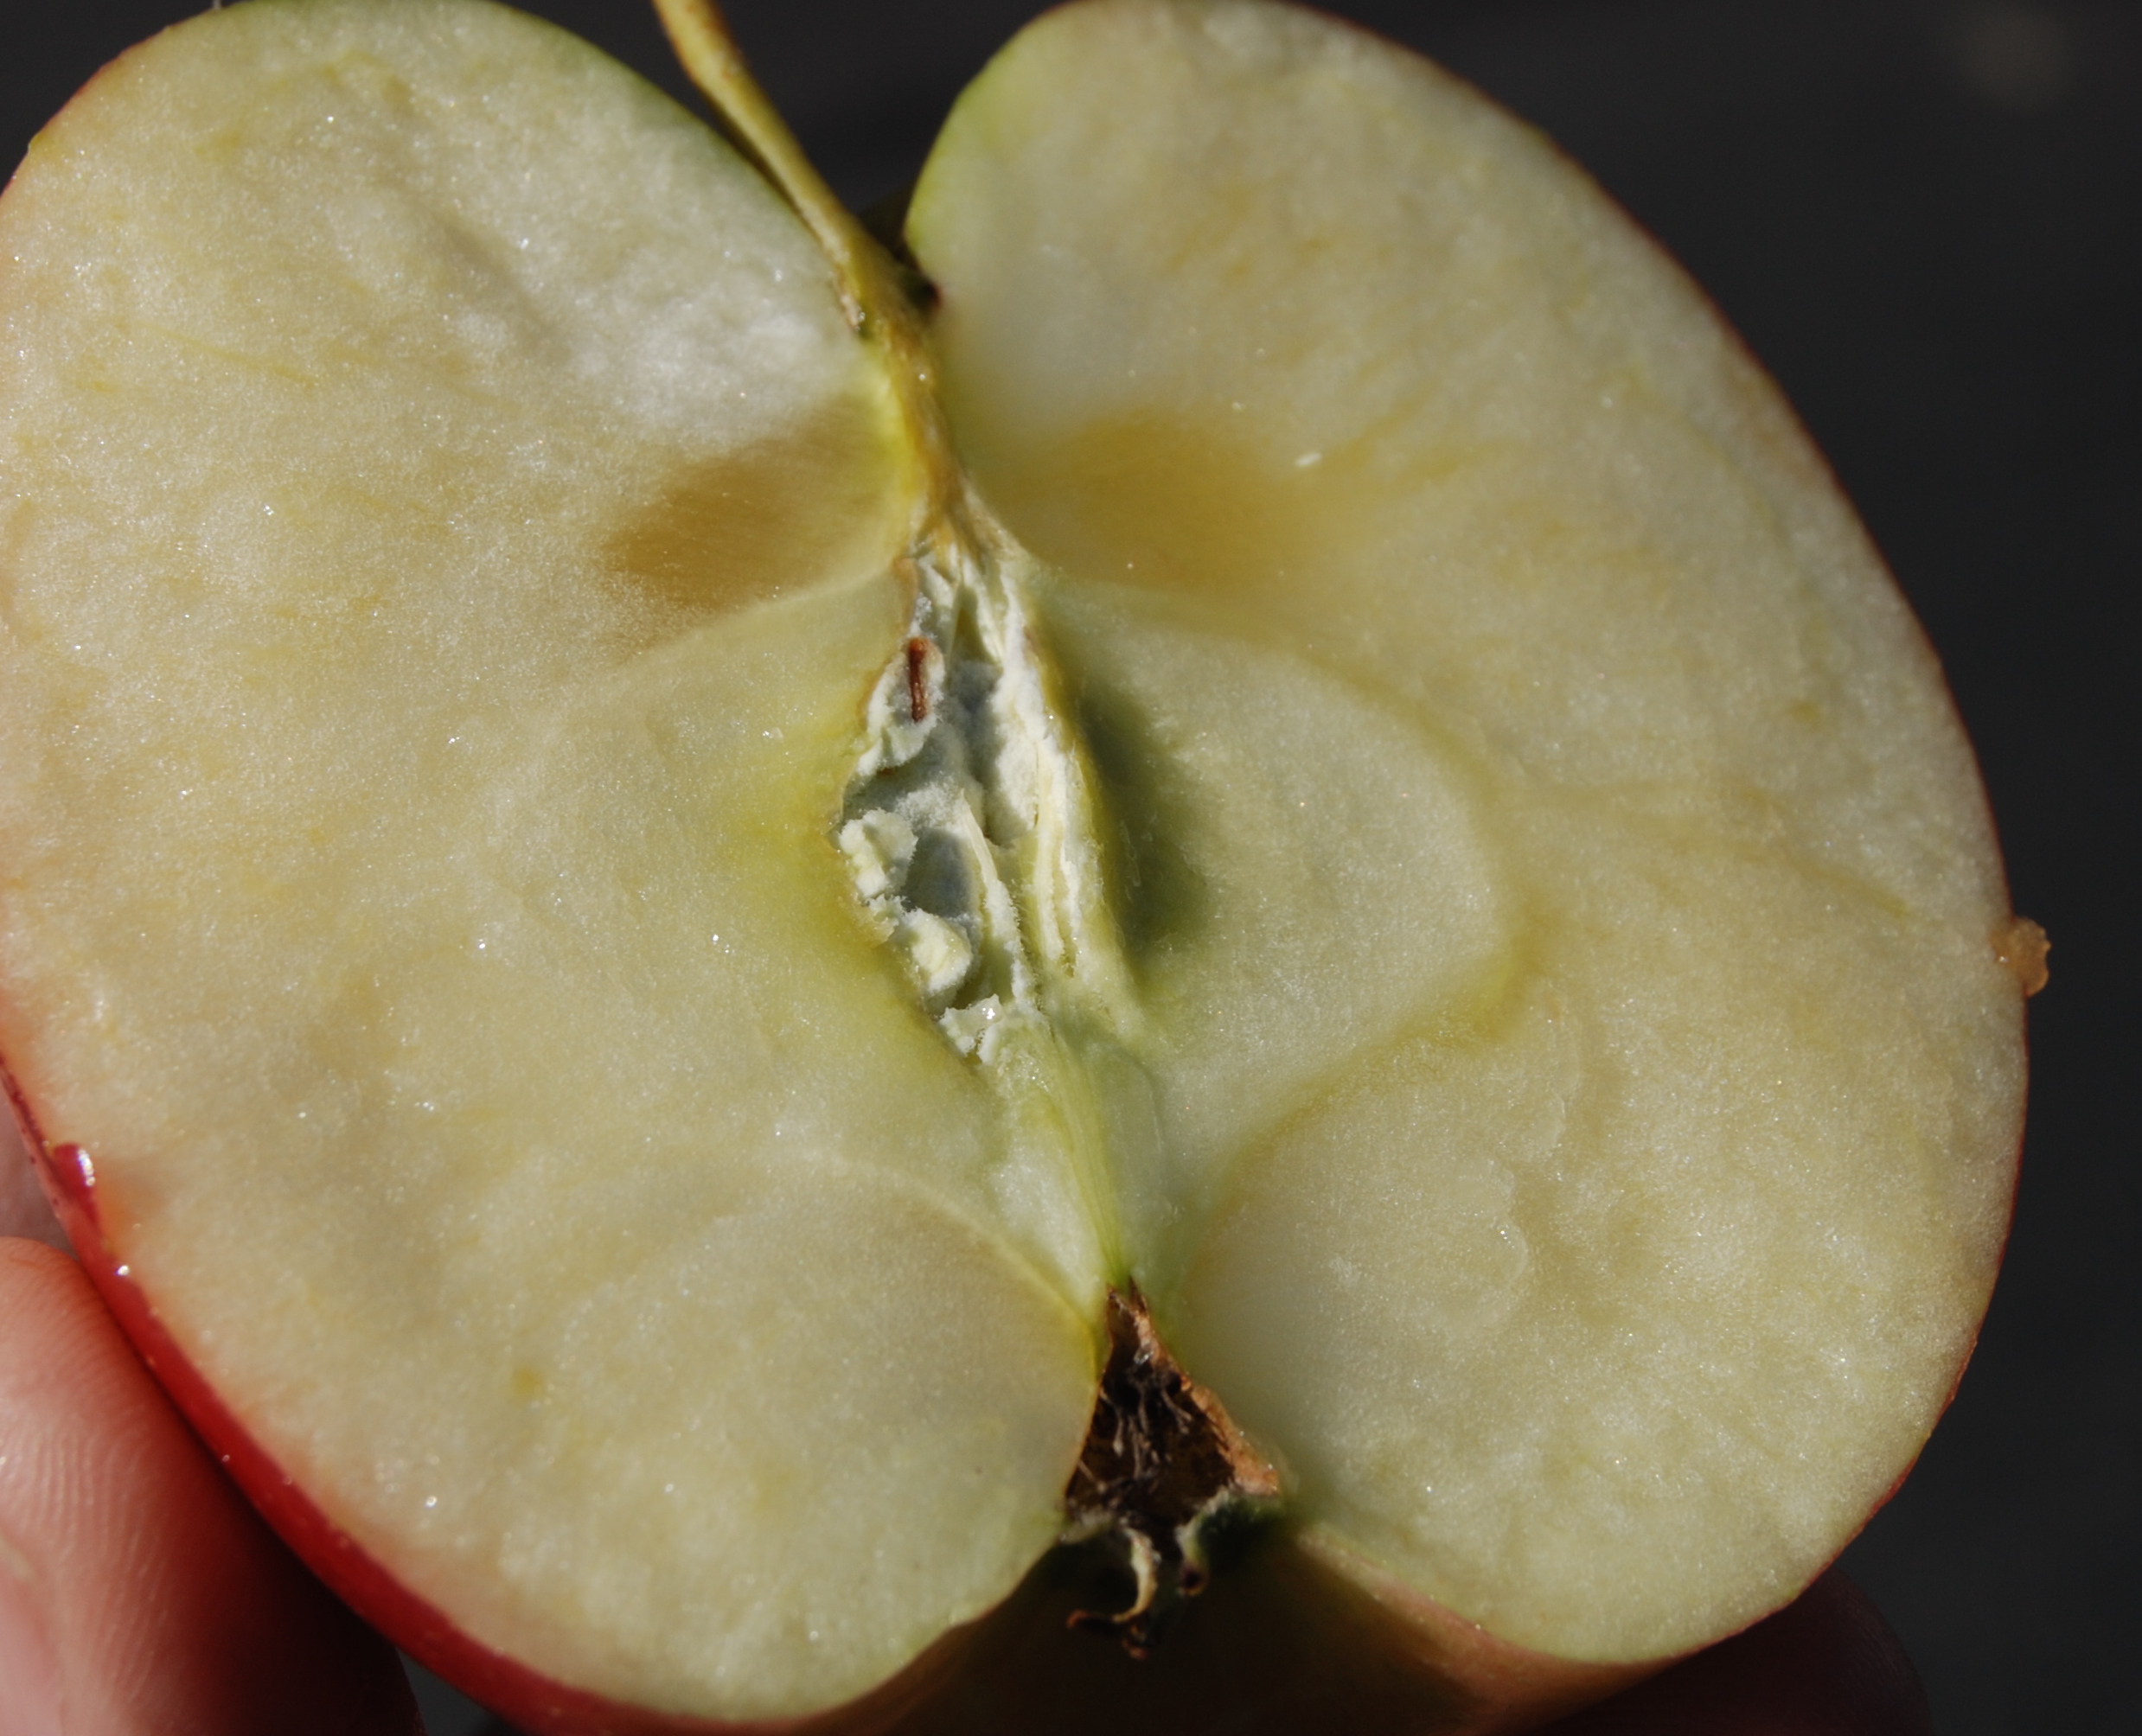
(29, 1673)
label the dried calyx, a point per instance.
(1163, 1462)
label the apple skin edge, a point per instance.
(1290, 1629)
(68, 1175)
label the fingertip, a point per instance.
(159, 1598)
(24, 1211)
(1826, 1664)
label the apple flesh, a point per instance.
(1734, 894)
(642, 885)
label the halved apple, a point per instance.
(702, 954)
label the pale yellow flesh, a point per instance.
(1600, 1287)
(447, 537)
(1568, 1107)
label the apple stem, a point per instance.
(875, 289)
(708, 52)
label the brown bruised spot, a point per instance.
(917, 679)
(737, 528)
(1194, 505)
(1162, 1459)
(2021, 945)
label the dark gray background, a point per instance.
(1925, 215)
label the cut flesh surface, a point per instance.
(446, 544)
(1442, 856)
(1602, 1286)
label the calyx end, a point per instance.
(1163, 1461)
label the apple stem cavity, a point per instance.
(1163, 1461)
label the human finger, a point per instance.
(1825, 1665)
(138, 1593)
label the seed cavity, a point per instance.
(968, 823)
